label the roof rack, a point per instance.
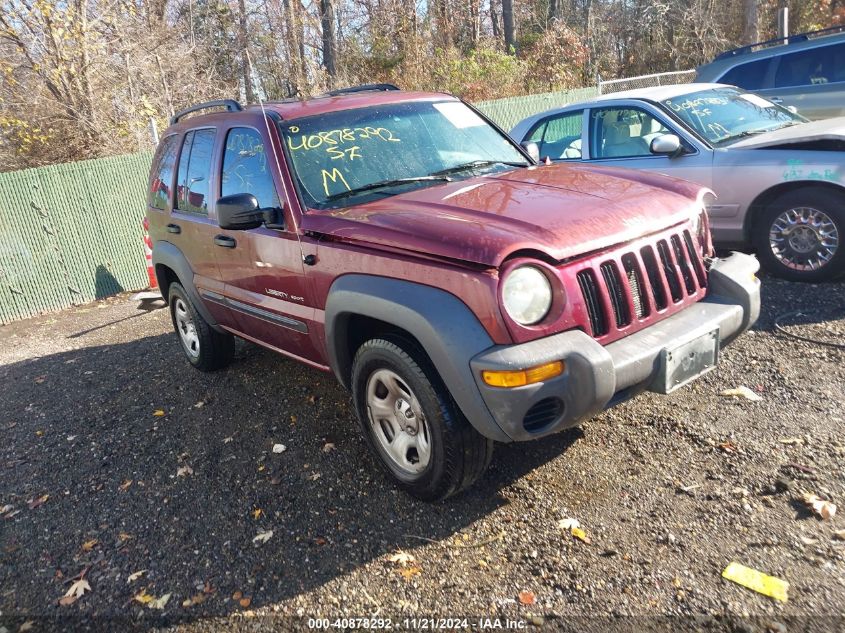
(230, 104)
(789, 39)
(363, 88)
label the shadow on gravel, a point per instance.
(123, 459)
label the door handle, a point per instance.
(174, 228)
(225, 241)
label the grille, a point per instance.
(638, 284)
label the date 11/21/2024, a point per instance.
(419, 624)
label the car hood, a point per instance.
(805, 133)
(560, 210)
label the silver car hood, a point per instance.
(824, 130)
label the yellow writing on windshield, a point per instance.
(334, 176)
(329, 139)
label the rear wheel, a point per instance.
(411, 423)
(206, 348)
(799, 237)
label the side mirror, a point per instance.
(666, 144)
(239, 212)
(792, 109)
(532, 149)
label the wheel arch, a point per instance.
(171, 266)
(360, 307)
(768, 196)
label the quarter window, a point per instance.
(559, 137)
(622, 132)
(194, 171)
(751, 76)
(161, 184)
(245, 168)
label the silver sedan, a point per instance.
(779, 180)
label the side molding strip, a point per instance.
(277, 319)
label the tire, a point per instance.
(801, 235)
(450, 454)
(205, 348)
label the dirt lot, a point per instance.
(119, 461)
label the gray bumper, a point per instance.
(598, 376)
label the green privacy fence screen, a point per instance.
(72, 233)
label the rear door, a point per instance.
(265, 285)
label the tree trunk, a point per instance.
(329, 45)
(750, 34)
(507, 20)
(494, 20)
(243, 36)
(553, 10)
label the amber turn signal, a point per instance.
(522, 377)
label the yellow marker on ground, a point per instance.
(757, 581)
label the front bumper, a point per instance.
(599, 376)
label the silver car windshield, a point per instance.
(723, 115)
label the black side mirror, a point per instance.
(239, 212)
(532, 149)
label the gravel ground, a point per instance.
(120, 462)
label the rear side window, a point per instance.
(559, 136)
(814, 66)
(161, 180)
(195, 172)
(751, 76)
(245, 168)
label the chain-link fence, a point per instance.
(646, 81)
(508, 112)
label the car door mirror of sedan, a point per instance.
(531, 148)
(239, 212)
(668, 144)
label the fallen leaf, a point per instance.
(728, 446)
(328, 447)
(581, 535)
(70, 438)
(184, 471)
(320, 541)
(825, 509)
(245, 602)
(789, 441)
(197, 599)
(40, 379)
(87, 546)
(402, 558)
(808, 541)
(839, 535)
(741, 392)
(314, 476)
(409, 572)
(143, 597)
(568, 524)
(482, 563)
(257, 513)
(527, 597)
(263, 537)
(279, 448)
(757, 581)
(200, 404)
(293, 419)
(158, 413)
(135, 576)
(76, 591)
(39, 433)
(226, 440)
(7, 508)
(159, 603)
(125, 485)
(26, 626)
(123, 536)
(261, 468)
(34, 503)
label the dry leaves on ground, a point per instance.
(76, 591)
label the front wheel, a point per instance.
(411, 423)
(799, 236)
(205, 348)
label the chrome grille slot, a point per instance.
(635, 283)
(653, 272)
(589, 289)
(696, 260)
(669, 270)
(618, 300)
(683, 264)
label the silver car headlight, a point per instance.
(527, 295)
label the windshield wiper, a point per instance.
(476, 164)
(386, 183)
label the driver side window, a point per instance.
(623, 132)
(246, 168)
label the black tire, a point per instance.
(457, 454)
(818, 199)
(205, 348)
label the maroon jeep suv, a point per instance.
(463, 293)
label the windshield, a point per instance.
(353, 156)
(722, 115)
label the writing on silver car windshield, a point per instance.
(353, 156)
(723, 115)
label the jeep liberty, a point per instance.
(461, 292)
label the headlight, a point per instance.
(527, 295)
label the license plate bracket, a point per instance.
(684, 362)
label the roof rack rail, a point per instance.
(230, 104)
(798, 37)
(363, 88)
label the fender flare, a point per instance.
(166, 254)
(445, 327)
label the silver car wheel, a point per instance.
(804, 238)
(397, 422)
(186, 329)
